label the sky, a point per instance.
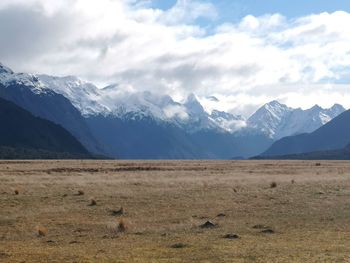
(243, 52)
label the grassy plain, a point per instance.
(306, 211)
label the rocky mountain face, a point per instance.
(277, 120)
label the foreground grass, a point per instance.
(164, 204)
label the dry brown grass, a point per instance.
(166, 203)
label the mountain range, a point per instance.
(278, 121)
(333, 135)
(142, 125)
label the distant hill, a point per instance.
(340, 154)
(10, 153)
(332, 136)
(23, 133)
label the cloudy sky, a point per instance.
(243, 52)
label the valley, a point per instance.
(162, 211)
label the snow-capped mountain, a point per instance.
(113, 100)
(120, 122)
(31, 94)
(83, 95)
(274, 119)
(278, 120)
(8, 77)
(228, 121)
(5, 70)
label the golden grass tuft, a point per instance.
(93, 202)
(41, 231)
(122, 225)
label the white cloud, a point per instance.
(126, 42)
(177, 111)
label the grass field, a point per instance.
(282, 211)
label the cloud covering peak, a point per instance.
(127, 42)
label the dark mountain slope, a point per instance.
(147, 138)
(21, 130)
(53, 107)
(142, 139)
(340, 154)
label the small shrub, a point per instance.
(41, 231)
(122, 226)
(318, 164)
(118, 212)
(80, 192)
(16, 192)
(231, 236)
(293, 181)
(179, 245)
(208, 224)
(221, 215)
(268, 231)
(273, 185)
(93, 202)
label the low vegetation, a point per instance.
(174, 211)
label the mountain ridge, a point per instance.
(101, 118)
(333, 135)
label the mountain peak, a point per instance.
(337, 107)
(192, 98)
(316, 107)
(4, 69)
(275, 105)
(193, 105)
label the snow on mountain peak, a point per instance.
(4, 69)
(277, 120)
(8, 78)
(274, 119)
(228, 121)
(276, 108)
(83, 95)
(269, 118)
(337, 109)
(193, 105)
